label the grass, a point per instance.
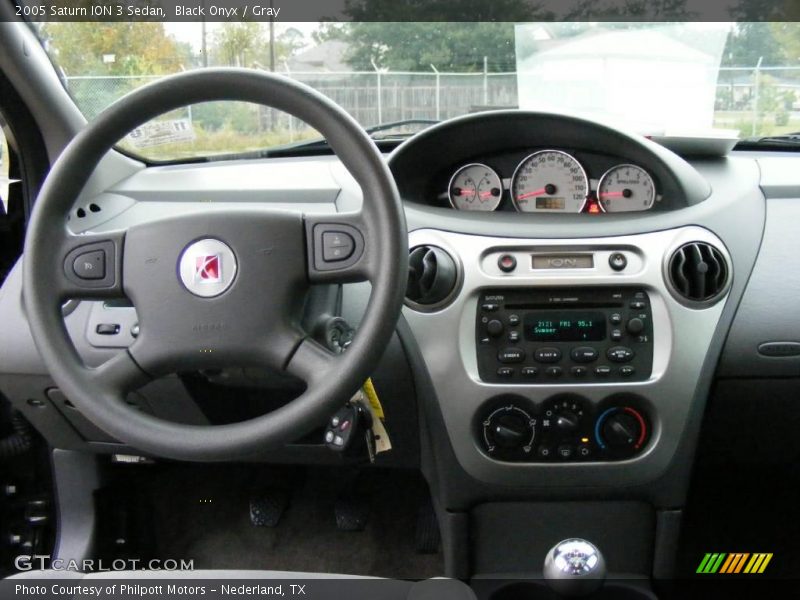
(221, 141)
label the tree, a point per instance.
(135, 48)
(437, 37)
(239, 44)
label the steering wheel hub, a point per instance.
(207, 267)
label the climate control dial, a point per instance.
(509, 433)
(621, 431)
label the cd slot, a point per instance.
(563, 304)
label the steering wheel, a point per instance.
(219, 287)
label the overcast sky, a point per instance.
(192, 32)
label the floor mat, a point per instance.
(201, 513)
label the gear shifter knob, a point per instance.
(574, 568)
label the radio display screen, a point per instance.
(565, 326)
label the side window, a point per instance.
(11, 203)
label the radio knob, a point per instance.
(635, 326)
(494, 327)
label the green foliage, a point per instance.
(137, 48)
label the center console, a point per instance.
(570, 363)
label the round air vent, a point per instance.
(698, 272)
(432, 276)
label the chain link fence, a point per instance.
(754, 100)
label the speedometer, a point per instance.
(549, 181)
(475, 187)
(626, 188)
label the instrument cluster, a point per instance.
(552, 181)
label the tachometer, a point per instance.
(626, 188)
(475, 187)
(549, 181)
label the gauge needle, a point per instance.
(470, 192)
(533, 193)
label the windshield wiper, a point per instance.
(785, 139)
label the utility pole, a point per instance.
(756, 93)
(271, 39)
(203, 44)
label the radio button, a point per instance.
(494, 327)
(513, 336)
(602, 371)
(505, 372)
(511, 355)
(554, 372)
(638, 304)
(579, 371)
(583, 354)
(615, 318)
(547, 355)
(530, 372)
(490, 307)
(620, 354)
(616, 335)
(627, 371)
(513, 320)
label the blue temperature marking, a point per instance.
(597, 425)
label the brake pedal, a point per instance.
(267, 507)
(352, 513)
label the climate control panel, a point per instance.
(564, 335)
(565, 428)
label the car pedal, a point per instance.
(352, 514)
(427, 536)
(267, 507)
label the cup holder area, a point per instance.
(538, 590)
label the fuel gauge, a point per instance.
(626, 188)
(475, 187)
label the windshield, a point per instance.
(679, 79)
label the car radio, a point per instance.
(564, 335)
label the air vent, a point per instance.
(432, 277)
(698, 272)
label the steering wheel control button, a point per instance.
(207, 267)
(617, 261)
(620, 354)
(547, 355)
(337, 246)
(107, 329)
(90, 265)
(507, 263)
(583, 354)
(511, 355)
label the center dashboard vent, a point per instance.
(432, 277)
(698, 272)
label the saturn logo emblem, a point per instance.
(207, 267)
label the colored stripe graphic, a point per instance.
(733, 563)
